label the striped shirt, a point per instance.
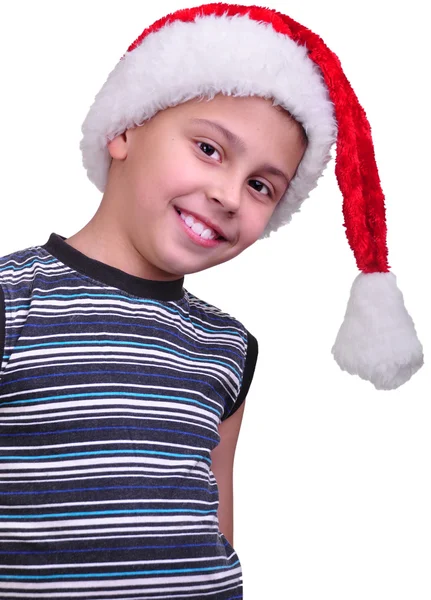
(112, 388)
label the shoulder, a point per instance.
(239, 344)
(223, 324)
(16, 282)
(212, 313)
(20, 269)
(21, 259)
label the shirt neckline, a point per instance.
(137, 286)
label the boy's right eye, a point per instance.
(207, 149)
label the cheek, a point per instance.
(254, 220)
(170, 174)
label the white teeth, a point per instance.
(198, 227)
(208, 234)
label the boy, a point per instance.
(122, 393)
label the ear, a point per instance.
(118, 147)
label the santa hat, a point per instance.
(253, 51)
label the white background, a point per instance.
(332, 478)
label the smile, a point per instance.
(198, 227)
(199, 231)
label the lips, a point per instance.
(206, 223)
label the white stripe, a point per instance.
(151, 532)
(114, 460)
(142, 470)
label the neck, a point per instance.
(104, 239)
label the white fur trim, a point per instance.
(378, 340)
(231, 55)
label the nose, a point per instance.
(227, 193)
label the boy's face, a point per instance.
(190, 196)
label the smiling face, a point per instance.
(197, 184)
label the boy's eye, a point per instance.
(207, 148)
(259, 187)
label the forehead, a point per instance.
(234, 110)
(230, 105)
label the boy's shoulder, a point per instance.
(19, 258)
(215, 315)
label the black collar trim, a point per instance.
(136, 286)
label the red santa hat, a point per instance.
(252, 51)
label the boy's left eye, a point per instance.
(260, 184)
(207, 148)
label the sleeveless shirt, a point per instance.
(112, 388)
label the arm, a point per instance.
(223, 455)
(222, 466)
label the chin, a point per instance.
(180, 271)
(187, 268)
(178, 263)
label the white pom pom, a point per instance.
(377, 339)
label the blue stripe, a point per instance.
(117, 574)
(14, 308)
(103, 453)
(92, 513)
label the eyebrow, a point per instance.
(271, 169)
(229, 135)
(239, 144)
